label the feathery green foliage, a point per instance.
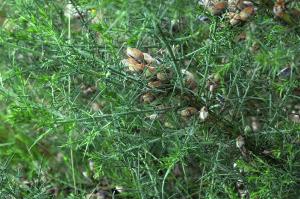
(72, 122)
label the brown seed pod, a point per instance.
(188, 112)
(190, 80)
(191, 84)
(164, 76)
(230, 15)
(234, 5)
(155, 84)
(135, 54)
(243, 4)
(96, 106)
(148, 98)
(203, 113)
(218, 8)
(279, 8)
(213, 82)
(133, 65)
(235, 19)
(88, 89)
(150, 71)
(240, 142)
(149, 59)
(246, 13)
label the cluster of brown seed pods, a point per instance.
(143, 63)
(160, 77)
(239, 11)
